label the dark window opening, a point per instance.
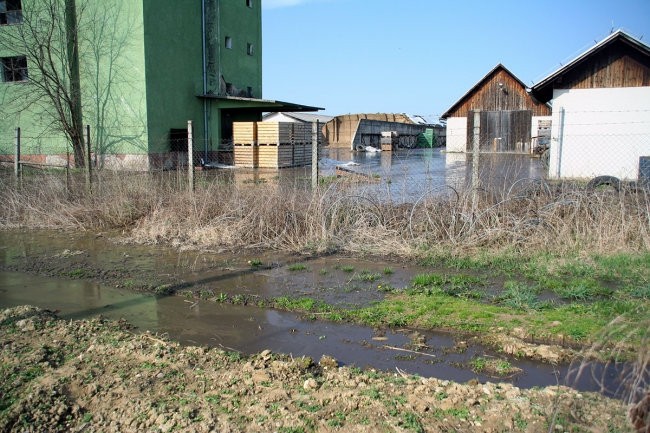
(11, 12)
(14, 68)
(178, 140)
(249, 49)
(249, 3)
(228, 42)
(249, 91)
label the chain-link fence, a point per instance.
(586, 144)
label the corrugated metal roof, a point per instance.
(304, 117)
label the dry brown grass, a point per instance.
(527, 216)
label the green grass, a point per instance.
(590, 295)
(255, 263)
(497, 367)
(367, 276)
(297, 267)
(518, 296)
(455, 285)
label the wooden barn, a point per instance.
(601, 111)
(509, 116)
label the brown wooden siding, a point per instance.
(616, 66)
(501, 131)
(489, 96)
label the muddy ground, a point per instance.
(101, 376)
(111, 260)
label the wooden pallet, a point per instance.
(244, 132)
(246, 155)
(274, 132)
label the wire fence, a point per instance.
(584, 145)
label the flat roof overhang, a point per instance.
(256, 105)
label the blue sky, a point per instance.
(421, 56)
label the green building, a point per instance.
(146, 68)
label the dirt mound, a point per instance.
(100, 376)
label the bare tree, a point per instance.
(48, 38)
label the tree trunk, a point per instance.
(76, 135)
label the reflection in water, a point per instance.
(402, 176)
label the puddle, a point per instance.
(250, 330)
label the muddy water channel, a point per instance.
(87, 275)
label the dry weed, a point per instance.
(525, 216)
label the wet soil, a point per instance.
(98, 375)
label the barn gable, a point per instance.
(617, 61)
(499, 90)
(508, 116)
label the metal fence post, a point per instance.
(476, 150)
(560, 140)
(190, 157)
(314, 154)
(88, 159)
(17, 154)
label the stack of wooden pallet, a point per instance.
(244, 136)
(272, 144)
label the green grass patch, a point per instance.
(367, 277)
(297, 267)
(454, 285)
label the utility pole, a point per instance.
(72, 41)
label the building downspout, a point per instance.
(206, 128)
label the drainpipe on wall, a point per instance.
(206, 128)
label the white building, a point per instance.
(601, 111)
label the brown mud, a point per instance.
(98, 376)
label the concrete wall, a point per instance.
(173, 62)
(602, 132)
(456, 134)
(243, 25)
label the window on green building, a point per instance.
(228, 42)
(11, 12)
(249, 3)
(249, 49)
(14, 68)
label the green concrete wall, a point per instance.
(173, 61)
(113, 76)
(141, 74)
(243, 25)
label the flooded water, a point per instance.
(406, 174)
(245, 328)
(250, 330)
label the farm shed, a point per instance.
(306, 118)
(601, 111)
(509, 116)
(353, 130)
